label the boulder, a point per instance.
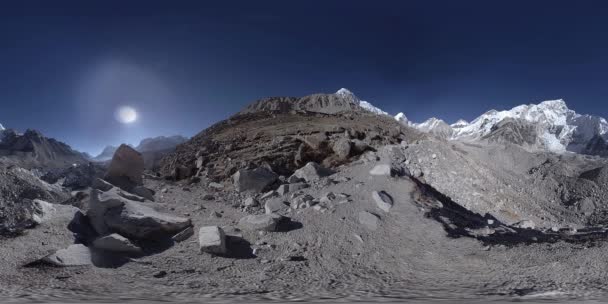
(342, 148)
(212, 239)
(264, 222)
(126, 169)
(144, 192)
(181, 173)
(113, 211)
(312, 171)
(116, 243)
(383, 200)
(257, 180)
(274, 205)
(74, 255)
(359, 146)
(368, 220)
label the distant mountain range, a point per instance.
(549, 125)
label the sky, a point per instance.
(67, 66)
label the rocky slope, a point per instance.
(283, 134)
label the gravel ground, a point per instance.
(322, 255)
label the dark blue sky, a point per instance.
(65, 66)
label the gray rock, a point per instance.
(216, 185)
(111, 211)
(294, 179)
(383, 200)
(144, 192)
(268, 194)
(327, 198)
(359, 146)
(369, 220)
(284, 189)
(74, 255)
(342, 148)
(183, 235)
(208, 197)
(312, 171)
(264, 222)
(101, 184)
(381, 170)
(300, 202)
(251, 202)
(525, 224)
(116, 243)
(256, 180)
(212, 239)
(126, 169)
(274, 205)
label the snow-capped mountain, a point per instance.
(402, 119)
(1, 127)
(348, 95)
(559, 128)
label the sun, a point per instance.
(126, 114)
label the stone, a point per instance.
(274, 205)
(116, 243)
(212, 239)
(200, 162)
(126, 168)
(525, 224)
(74, 255)
(183, 235)
(250, 202)
(284, 189)
(101, 184)
(434, 156)
(301, 202)
(208, 197)
(312, 172)
(342, 148)
(381, 170)
(144, 192)
(256, 180)
(181, 172)
(359, 146)
(264, 222)
(113, 211)
(327, 198)
(217, 186)
(294, 179)
(268, 194)
(368, 220)
(383, 200)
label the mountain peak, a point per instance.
(2, 127)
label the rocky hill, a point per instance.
(284, 133)
(33, 150)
